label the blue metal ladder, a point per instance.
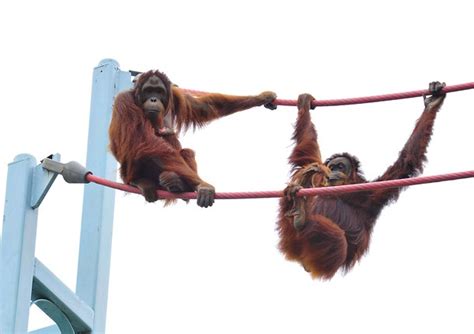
(24, 280)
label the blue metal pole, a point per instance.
(18, 246)
(98, 206)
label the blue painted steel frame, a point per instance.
(18, 246)
(98, 207)
(23, 278)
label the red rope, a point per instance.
(303, 192)
(367, 99)
(324, 190)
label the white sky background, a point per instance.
(184, 269)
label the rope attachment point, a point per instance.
(72, 172)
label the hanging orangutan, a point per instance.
(144, 131)
(326, 233)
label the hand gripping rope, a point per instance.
(73, 172)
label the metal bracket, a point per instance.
(43, 179)
(45, 174)
(67, 308)
(56, 315)
(72, 172)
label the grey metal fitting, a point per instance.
(72, 172)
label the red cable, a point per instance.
(367, 99)
(323, 190)
(303, 192)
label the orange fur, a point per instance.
(144, 151)
(337, 228)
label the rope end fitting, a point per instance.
(72, 172)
